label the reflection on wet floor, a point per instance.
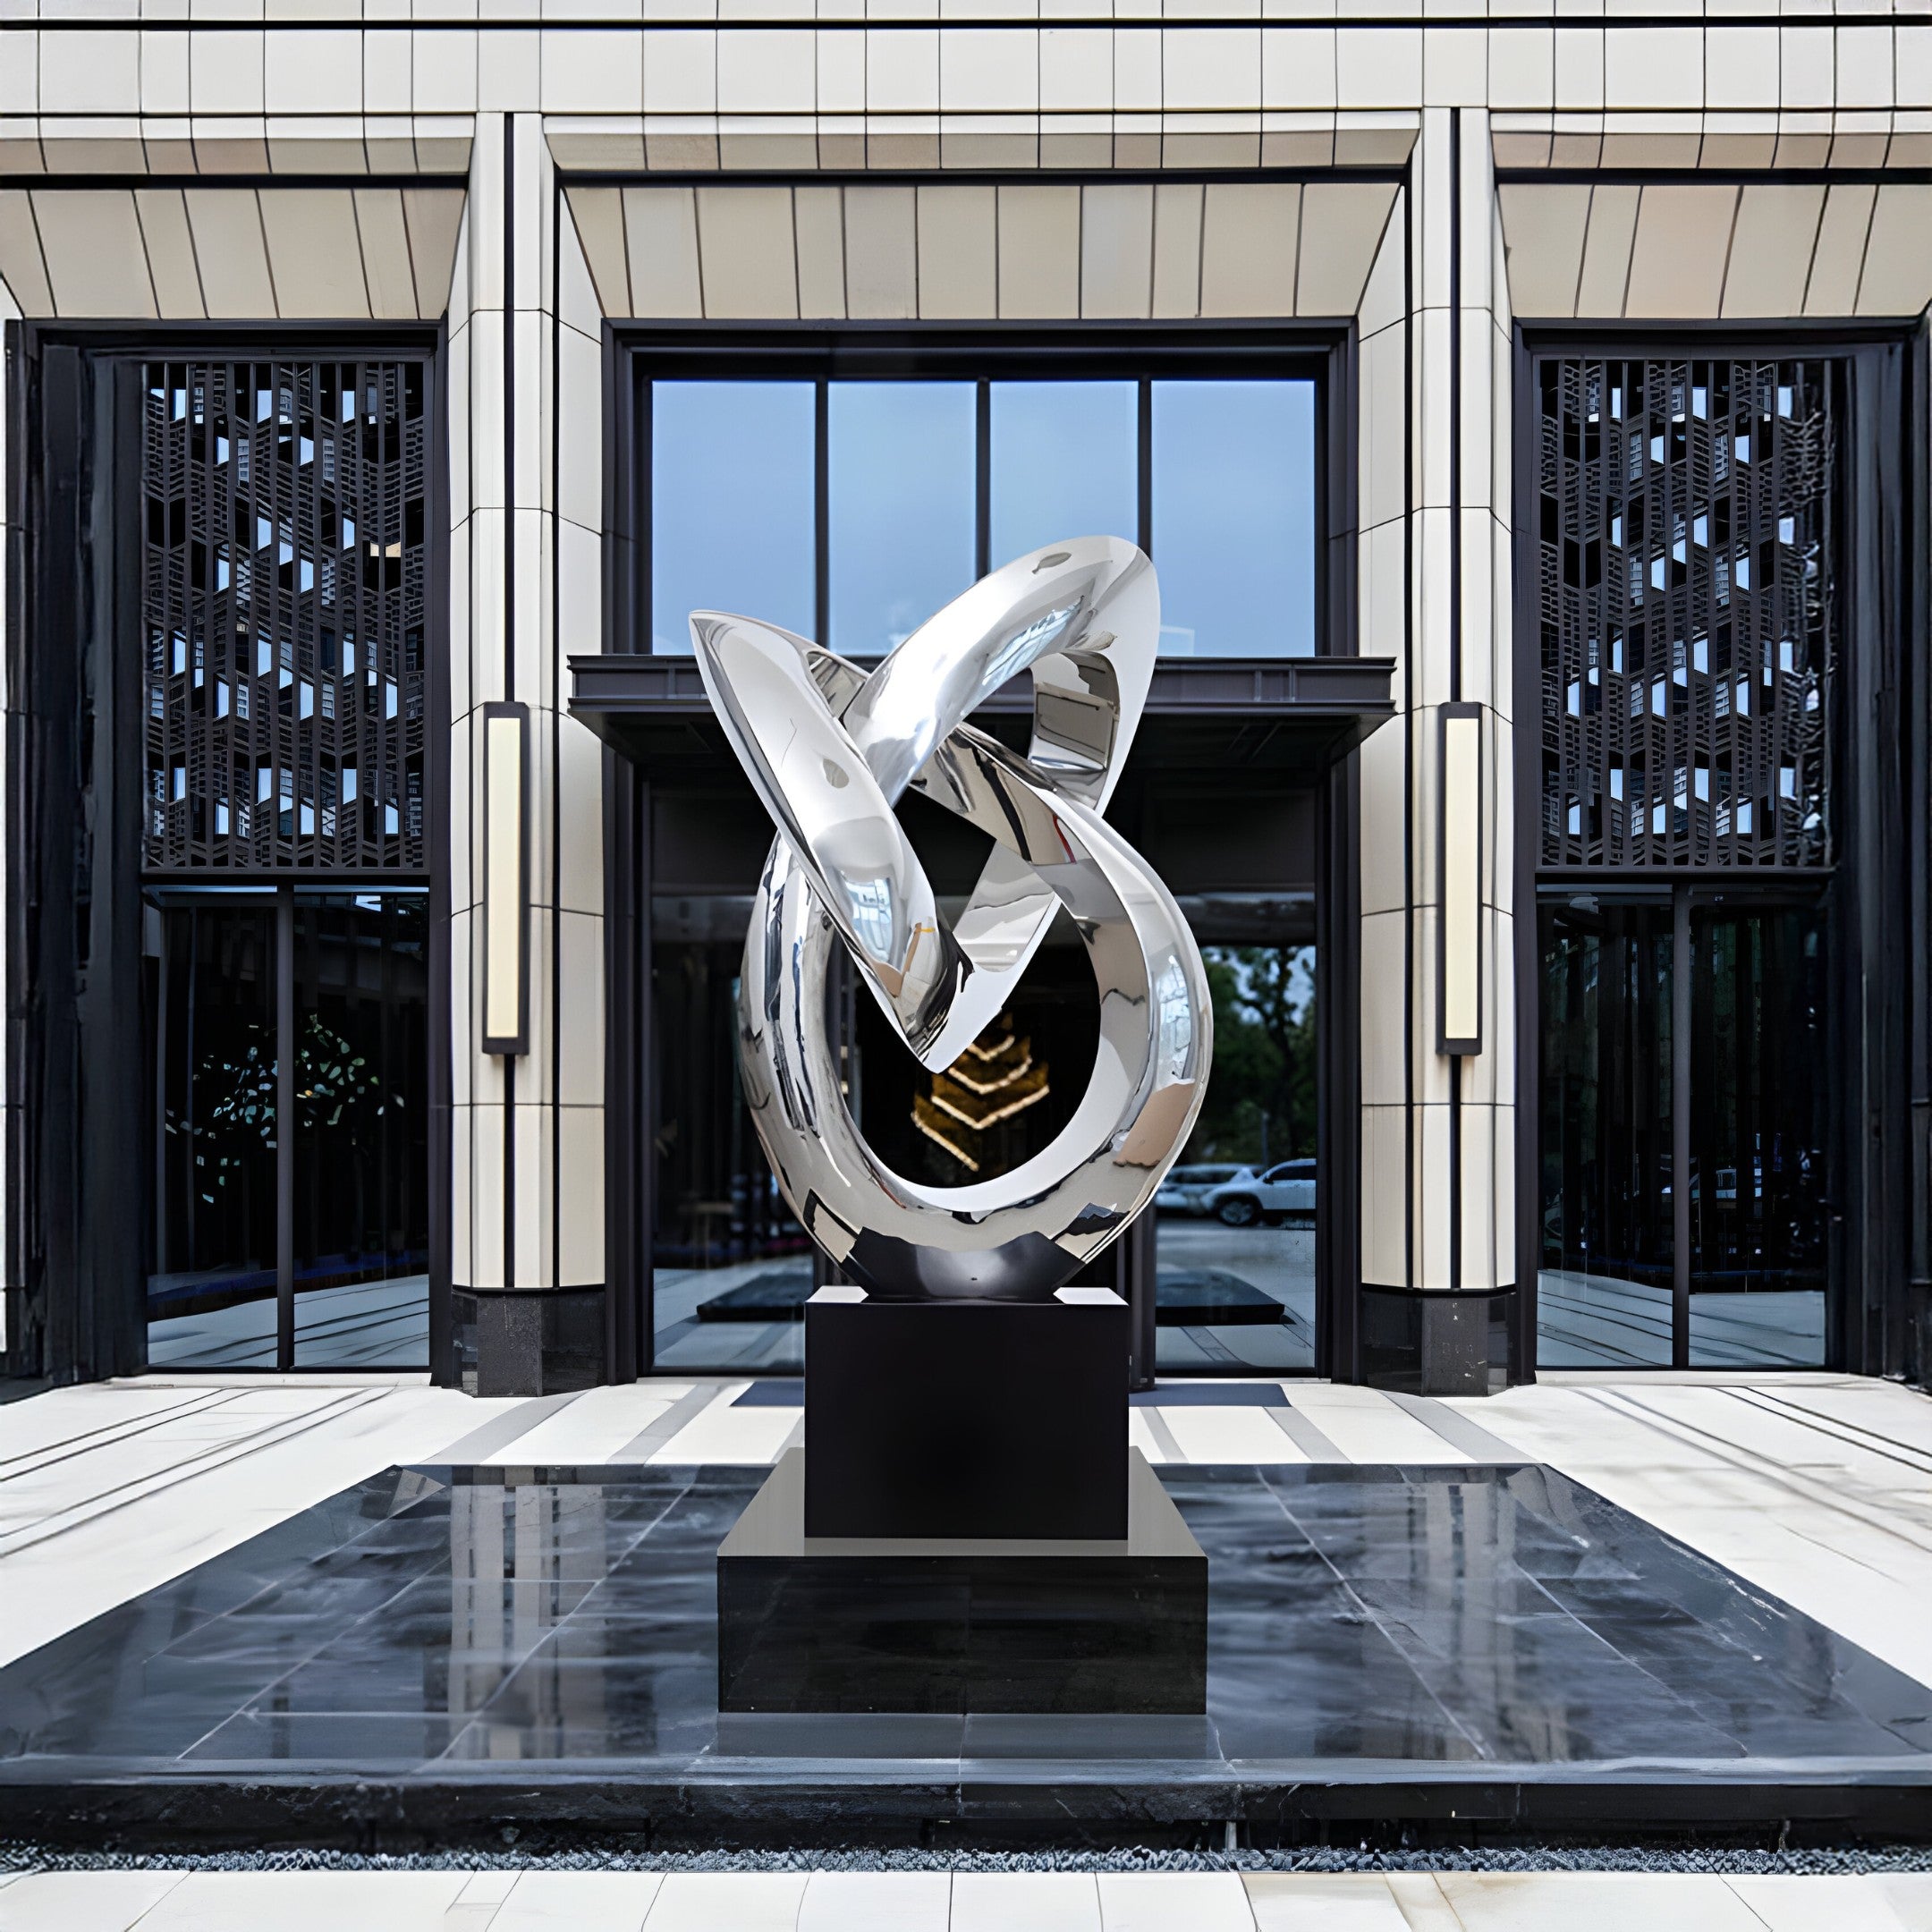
(474, 1616)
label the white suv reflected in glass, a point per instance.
(1284, 1193)
(1185, 1190)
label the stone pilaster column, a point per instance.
(1438, 1129)
(528, 1212)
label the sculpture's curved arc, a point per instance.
(830, 747)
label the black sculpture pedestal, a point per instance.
(960, 1625)
(966, 1529)
(966, 1419)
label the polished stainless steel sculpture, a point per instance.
(830, 747)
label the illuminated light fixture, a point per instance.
(505, 878)
(1459, 921)
(996, 1078)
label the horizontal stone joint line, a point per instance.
(30, 1461)
(204, 1463)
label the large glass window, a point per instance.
(1065, 463)
(901, 507)
(857, 507)
(1686, 515)
(346, 1275)
(1680, 1031)
(1234, 518)
(285, 660)
(731, 504)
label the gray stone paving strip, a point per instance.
(1303, 1434)
(1459, 1431)
(1164, 1436)
(500, 1431)
(687, 1408)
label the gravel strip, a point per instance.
(1731, 1863)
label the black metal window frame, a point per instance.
(636, 355)
(1872, 900)
(75, 446)
(1324, 352)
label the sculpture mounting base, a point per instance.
(960, 1625)
(966, 1419)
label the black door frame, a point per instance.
(78, 1176)
(1877, 979)
(1325, 351)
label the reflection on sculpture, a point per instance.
(830, 747)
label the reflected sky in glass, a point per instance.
(1233, 537)
(1066, 464)
(731, 513)
(902, 463)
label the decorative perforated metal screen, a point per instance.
(283, 585)
(1688, 621)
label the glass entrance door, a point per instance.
(1234, 1284)
(305, 1249)
(1683, 1150)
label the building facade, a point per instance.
(1526, 410)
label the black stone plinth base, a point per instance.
(1437, 1344)
(852, 1623)
(966, 1419)
(527, 1342)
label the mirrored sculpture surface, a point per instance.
(830, 747)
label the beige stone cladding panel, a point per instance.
(1030, 250)
(1683, 249)
(230, 254)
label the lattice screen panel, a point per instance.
(1688, 610)
(283, 590)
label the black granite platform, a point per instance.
(442, 1654)
(961, 1623)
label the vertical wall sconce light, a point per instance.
(1459, 922)
(505, 878)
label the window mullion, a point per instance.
(983, 492)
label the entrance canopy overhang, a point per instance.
(1293, 716)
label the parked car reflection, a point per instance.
(1185, 1190)
(1282, 1196)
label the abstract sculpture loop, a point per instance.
(830, 747)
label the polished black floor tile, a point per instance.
(434, 1623)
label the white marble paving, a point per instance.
(720, 1433)
(1318, 1901)
(1816, 1488)
(963, 1901)
(875, 1902)
(1837, 1528)
(251, 1902)
(1229, 1435)
(1025, 1901)
(181, 1500)
(593, 1428)
(1366, 1427)
(1154, 1901)
(746, 1901)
